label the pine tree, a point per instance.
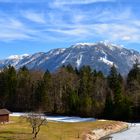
(24, 90)
(11, 80)
(133, 87)
(114, 80)
(3, 90)
(73, 102)
(109, 106)
(47, 80)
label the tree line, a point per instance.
(71, 91)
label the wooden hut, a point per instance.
(4, 115)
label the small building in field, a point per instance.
(4, 115)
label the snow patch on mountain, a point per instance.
(104, 59)
(18, 56)
(66, 58)
(85, 44)
(79, 60)
(42, 60)
(56, 51)
(110, 45)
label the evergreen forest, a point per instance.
(71, 91)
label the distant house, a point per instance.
(4, 115)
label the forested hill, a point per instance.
(69, 91)
(100, 56)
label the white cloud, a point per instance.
(112, 15)
(22, 1)
(5, 1)
(107, 24)
(117, 32)
(76, 24)
(126, 38)
(73, 32)
(69, 2)
(13, 29)
(34, 16)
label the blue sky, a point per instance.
(29, 26)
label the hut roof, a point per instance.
(4, 112)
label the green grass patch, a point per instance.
(20, 130)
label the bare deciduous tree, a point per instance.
(36, 121)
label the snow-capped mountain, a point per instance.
(18, 56)
(100, 56)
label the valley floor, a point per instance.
(20, 130)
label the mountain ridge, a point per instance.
(100, 56)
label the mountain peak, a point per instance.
(84, 44)
(111, 45)
(18, 56)
(105, 43)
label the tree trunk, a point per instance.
(33, 130)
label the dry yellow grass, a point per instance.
(17, 130)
